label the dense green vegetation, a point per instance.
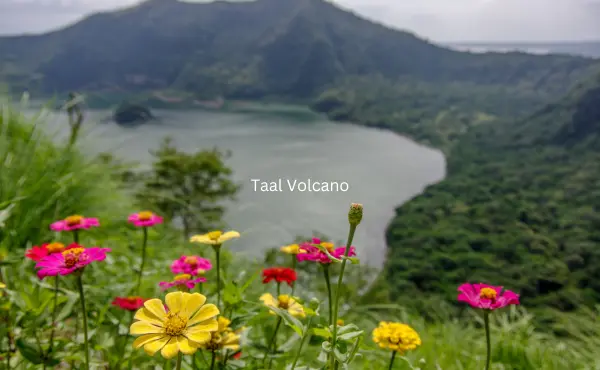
(520, 207)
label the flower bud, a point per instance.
(355, 214)
(314, 303)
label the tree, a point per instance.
(189, 188)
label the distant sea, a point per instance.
(584, 48)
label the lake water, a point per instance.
(382, 169)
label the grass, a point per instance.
(42, 181)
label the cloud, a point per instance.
(440, 20)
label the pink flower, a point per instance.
(182, 282)
(145, 219)
(74, 222)
(191, 265)
(309, 251)
(69, 261)
(487, 297)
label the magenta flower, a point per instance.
(74, 222)
(182, 282)
(487, 297)
(145, 219)
(310, 252)
(69, 261)
(191, 265)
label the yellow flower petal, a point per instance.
(185, 346)
(269, 300)
(175, 301)
(152, 347)
(156, 307)
(296, 310)
(206, 312)
(199, 338)
(2, 286)
(171, 349)
(194, 302)
(228, 235)
(204, 326)
(145, 339)
(142, 327)
(143, 314)
(203, 239)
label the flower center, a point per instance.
(132, 300)
(174, 324)
(488, 293)
(55, 247)
(284, 301)
(72, 256)
(183, 277)
(328, 246)
(74, 220)
(145, 216)
(214, 235)
(191, 260)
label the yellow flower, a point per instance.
(285, 302)
(215, 237)
(292, 249)
(186, 327)
(2, 286)
(224, 338)
(396, 337)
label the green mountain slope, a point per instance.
(520, 208)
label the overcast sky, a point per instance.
(438, 20)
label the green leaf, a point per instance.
(321, 332)
(353, 260)
(350, 335)
(326, 346)
(31, 353)
(289, 320)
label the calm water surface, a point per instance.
(382, 169)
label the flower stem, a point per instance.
(271, 346)
(54, 312)
(392, 360)
(278, 290)
(338, 292)
(84, 315)
(179, 358)
(212, 361)
(294, 263)
(76, 236)
(304, 339)
(486, 320)
(329, 293)
(141, 272)
(217, 249)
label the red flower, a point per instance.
(129, 303)
(237, 356)
(37, 253)
(280, 275)
(487, 297)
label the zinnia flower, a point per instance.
(191, 265)
(292, 249)
(185, 327)
(74, 222)
(285, 302)
(396, 337)
(129, 303)
(145, 219)
(280, 275)
(183, 281)
(215, 237)
(69, 261)
(37, 253)
(224, 337)
(486, 296)
(312, 253)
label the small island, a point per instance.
(132, 114)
